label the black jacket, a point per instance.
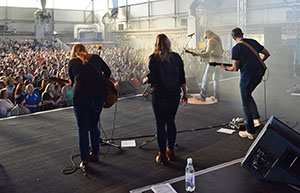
(86, 81)
(166, 77)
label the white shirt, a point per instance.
(5, 104)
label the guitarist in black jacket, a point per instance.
(88, 99)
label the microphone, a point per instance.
(191, 35)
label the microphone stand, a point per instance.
(187, 43)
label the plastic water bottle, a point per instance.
(189, 176)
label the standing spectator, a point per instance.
(10, 83)
(5, 104)
(20, 109)
(67, 92)
(20, 90)
(32, 99)
(49, 97)
(2, 84)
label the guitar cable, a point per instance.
(265, 79)
(73, 168)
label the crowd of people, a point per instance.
(34, 75)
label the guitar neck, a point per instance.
(219, 64)
(188, 51)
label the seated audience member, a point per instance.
(5, 104)
(20, 109)
(32, 99)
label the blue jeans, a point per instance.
(165, 110)
(247, 86)
(210, 71)
(87, 115)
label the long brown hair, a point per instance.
(79, 51)
(19, 89)
(162, 47)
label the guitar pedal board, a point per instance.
(237, 123)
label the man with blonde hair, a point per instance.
(214, 53)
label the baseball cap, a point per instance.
(206, 33)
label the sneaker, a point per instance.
(161, 159)
(170, 154)
(245, 134)
(257, 122)
(213, 99)
(94, 158)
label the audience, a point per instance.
(33, 65)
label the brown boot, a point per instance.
(170, 154)
(94, 158)
(161, 159)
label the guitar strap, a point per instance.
(263, 65)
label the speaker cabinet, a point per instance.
(275, 154)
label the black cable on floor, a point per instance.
(181, 131)
(73, 168)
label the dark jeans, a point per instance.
(247, 86)
(87, 115)
(164, 111)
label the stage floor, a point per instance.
(227, 177)
(35, 148)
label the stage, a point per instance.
(35, 148)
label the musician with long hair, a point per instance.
(167, 79)
(88, 99)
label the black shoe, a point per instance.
(94, 158)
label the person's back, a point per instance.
(169, 75)
(86, 79)
(249, 63)
(245, 59)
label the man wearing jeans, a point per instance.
(213, 53)
(251, 75)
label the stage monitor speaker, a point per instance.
(275, 154)
(126, 88)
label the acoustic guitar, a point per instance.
(111, 97)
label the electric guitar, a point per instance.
(210, 63)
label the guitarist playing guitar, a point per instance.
(214, 53)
